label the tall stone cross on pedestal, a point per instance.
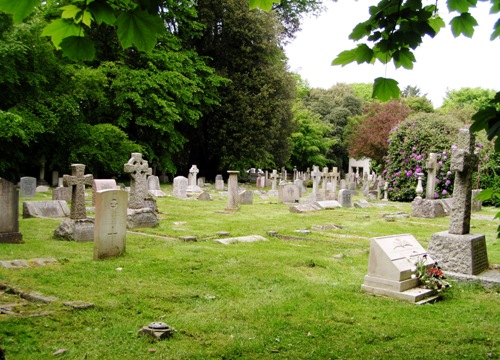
(193, 174)
(432, 167)
(138, 170)
(464, 162)
(77, 181)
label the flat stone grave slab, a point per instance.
(241, 239)
(303, 208)
(328, 204)
(45, 209)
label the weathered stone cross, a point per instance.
(464, 162)
(316, 176)
(193, 174)
(432, 167)
(274, 176)
(138, 170)
(77, 181)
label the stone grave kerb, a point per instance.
(463, 162)
(138, 170)
(77, 181)
(432, 167)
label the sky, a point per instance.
(443, 62)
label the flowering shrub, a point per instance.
(430, 277)
(410, 143)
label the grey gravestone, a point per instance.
(154, 186)
(102, 184)
(45, 209)
(456, 250)
(232, 190)
(390, 268)
(328, 204)
(55, 179)
(219, 183)
(78, 227)
(345, 198)
(476, 204)
(246, 197)
(432, 167)
(423, 208)
(204, 196)
(110, 223)
(61, 193)
(316, 176)
(303, 208)
(180, 187)
(289, 193)
(27, 187)
(9, 213)
(138, 170)
(193, 189)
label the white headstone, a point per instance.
(180, 187)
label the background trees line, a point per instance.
(215, 91)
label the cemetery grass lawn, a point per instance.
(297, 296)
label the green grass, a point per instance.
(287, 298)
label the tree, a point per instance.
(368, 138)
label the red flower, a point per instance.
(435, 272)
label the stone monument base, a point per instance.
(141, 218)
(11, 238)
(79, 230)
(464, 254)
(412, 294)
(424, 208)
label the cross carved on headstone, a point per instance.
(138, 170)
(77, 180)
(464, 162)
(432, 167)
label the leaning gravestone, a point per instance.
(457, 250)
(180, 187)
(390, 268)
(27, 187)
(110, 223)
(45, 209)
(78, 227)
(139, 214)
(9, 213)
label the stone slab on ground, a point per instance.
(45, 209)
(241, 239)
(303, 208)
(328, 204)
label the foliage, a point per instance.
(488, 176)
(466, 98)
(368, 134)
(409, 146)
(431, 277)
(419, 104)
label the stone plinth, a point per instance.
(465, 254)
(424, 208)
(79, 230)
(141, 218)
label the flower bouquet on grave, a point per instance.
(431, 277)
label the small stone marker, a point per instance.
(243, 239)
(9, 213)
(304, 208)
(456, 250)
(110, 223)
(180, 187)
(328, 204)
(219, 183)
(246, 197)
(345, 198)
(390, 265)
(158, 330)
(27, 187)
(232, 187)
(138, 170)
(204, 196)
(154, 186)
(45, 209)
(61, 193)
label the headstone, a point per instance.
(345, 198)
(180, 187)
(154, 186)
(476, 203)
(138, 170)
(102, 184)
(110, 223)
(343, 184)
(300, 184)
(423, 208)
(232, 190)
(45, 209)
(246, 197)
(61, 193)
(316, 176)
(219, 183)
(42, 188)
(432, 167)
(27, 187)
(204, 196)
(391, 266)
(9, 213)
(201, 182)
(289, 193)
(78, 227)
(193, 188)
(55, 179)
(456, 249)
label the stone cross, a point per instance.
(464, 162)
(77, 181)
(138, 170)
(335, 176)
(193, 173)
(325, 178)
(432, 167)
(274, 176)
(316, 176)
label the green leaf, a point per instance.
(362, 53)
(463, 24)
(495, 7)
(404, 58)
(18, 9)
(437, 23)
(385, 89)
(482, 118)
(139, 28)
(462, 6)
(361, 30)
(87, 18)
(70, 11)
(265, 5)
(103, 13)
(78, 48)
(59, 29)
(485, 194)
(496, 31)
